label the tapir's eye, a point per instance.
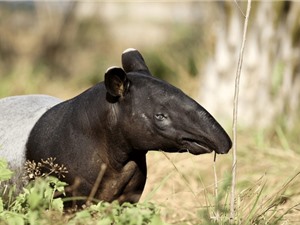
(160, 116)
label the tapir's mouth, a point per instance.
(197, 147)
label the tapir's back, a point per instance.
(50, 131)
(18, 114)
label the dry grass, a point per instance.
(183, 184)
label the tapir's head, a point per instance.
(153, 114)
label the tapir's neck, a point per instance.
(100, 119)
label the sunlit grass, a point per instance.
(267, 185)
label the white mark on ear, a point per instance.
(129, 50)
(112, 67)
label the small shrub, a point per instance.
(36, 203)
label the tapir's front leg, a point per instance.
(126, 185)
(133, 187)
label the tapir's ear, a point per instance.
(116, 81)
(133, 61)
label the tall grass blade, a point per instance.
(235, 113)
(183, 177)
(282, 138)
(254, 207)
(155, 189)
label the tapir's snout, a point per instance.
(217, 138)
(204, 134)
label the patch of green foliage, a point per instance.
(37, 204)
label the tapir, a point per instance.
(114, 123)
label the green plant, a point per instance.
(113, 213)
(31, 204)
(37, 203)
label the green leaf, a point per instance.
(156, 220)
(82, 215)
(105, 221)
(34, 199)
(33, 217)
(57, 184)
(5, 173)
(11, 218)
(57, 204)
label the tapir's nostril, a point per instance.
(225, 147)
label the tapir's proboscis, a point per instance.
(114, 123)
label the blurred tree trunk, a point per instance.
(270, 82)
